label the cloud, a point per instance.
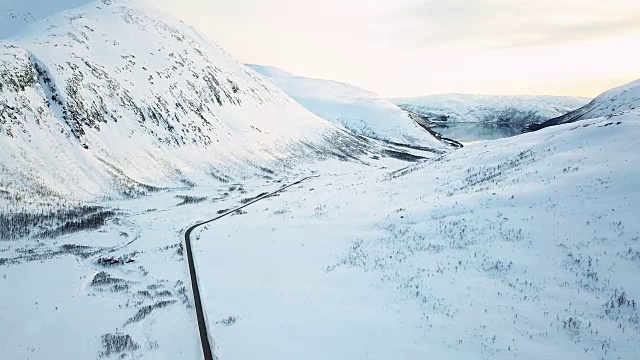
(515, 23)
(558, 34)
(411, 47)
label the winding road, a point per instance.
(202, 326)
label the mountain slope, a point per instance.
(15, 15)
(116, 97)
(622, 98)
(489, 108)
(519, 248)
(360, 111)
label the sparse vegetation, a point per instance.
(118, 343)
(14, 225)
(228, 321)
(148, 309)
(402, 155)
(250, 199)
(186, 199)
(103, 278)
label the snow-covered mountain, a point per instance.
(520, 248)
(360, 111)
(112, 96)
(616, 100)
(489, 108)
(373, 259)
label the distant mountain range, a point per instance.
(489, 108)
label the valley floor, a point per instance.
(525, 248)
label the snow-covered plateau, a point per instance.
(121, 127)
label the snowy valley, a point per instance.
(469, 118)
(121, 128)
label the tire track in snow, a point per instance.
(202, 326)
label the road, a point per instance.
(202, 326)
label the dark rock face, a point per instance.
(16, 75)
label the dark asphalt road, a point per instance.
(202, 326)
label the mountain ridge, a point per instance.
(360, 111)
(617, 100)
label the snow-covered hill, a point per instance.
(520, 248)
(360, 111)
(617, 100)
(489, 108)
(111, 96)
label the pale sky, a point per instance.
(421, 47)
